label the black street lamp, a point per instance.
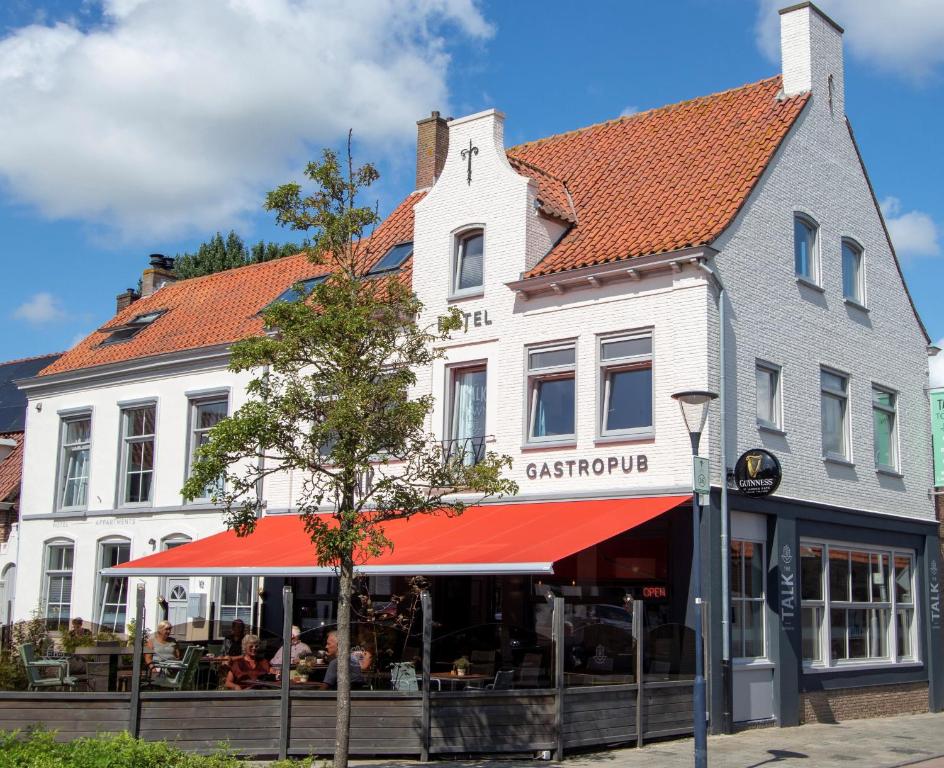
(694, 405)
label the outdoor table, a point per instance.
(457, 682)
(113, 654)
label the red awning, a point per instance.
(492, 538)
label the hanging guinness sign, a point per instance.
(757, 473)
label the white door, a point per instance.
(177, 590)
(7, 586)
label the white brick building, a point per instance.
(590, 268)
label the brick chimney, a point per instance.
(159, 274)
(432, 144)
(811, 56)
(125, 299)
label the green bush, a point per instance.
(39, 749)
(12, 674)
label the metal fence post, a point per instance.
(637, 633)
(134, 716)
(557, 618)
(427, 607)
(285, 673)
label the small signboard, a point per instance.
(701, 475)
(757, 473)
(937, 434)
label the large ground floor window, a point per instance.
(236, 598)
(858, 605)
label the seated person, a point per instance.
(233, 642)
(246, 669)
(331, 673)
(299, 650)
(162, 647)
(78, 630)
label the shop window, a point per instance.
(806, 248)
(626, 385)
(205, 414)
(236, 598)
(74, 442)
(468, 262)
(852, 273)
(467, 411)
(767, 379)
(748, 636)
(112, 611)
(834, 406)
(849, 597)
(885, 428)
(551, 393)
(137, 454)
(57, 584)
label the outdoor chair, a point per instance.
(34, 670)
(504, 680)
(178, 675)
(403, 677)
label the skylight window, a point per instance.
(132, 328)
(392, 259)
(305, 287)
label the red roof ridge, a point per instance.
(644, 113)
(31, 357)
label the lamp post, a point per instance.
(694, 405)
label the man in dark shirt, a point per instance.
(331, 673)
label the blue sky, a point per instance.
(140, 126)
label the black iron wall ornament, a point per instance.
(467, 155)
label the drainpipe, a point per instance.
(726, 677)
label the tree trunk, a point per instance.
(342, 734)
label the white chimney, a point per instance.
(811, 55)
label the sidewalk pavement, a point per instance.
(913, 740)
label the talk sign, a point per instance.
(788, 590)
(937, 432)
(934, 591)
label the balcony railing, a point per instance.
(471, 450)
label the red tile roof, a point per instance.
(649, 183)
(219, 308)
(11, 468)
(665, 179)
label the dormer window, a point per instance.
(393, 259)
(132, 328)
(299, 289)
(467, 271)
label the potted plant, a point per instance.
(461, 666)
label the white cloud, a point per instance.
(936, 364)
(913, 233)
(41, 308)
(174, 116)
(632, 109)
(905, 37)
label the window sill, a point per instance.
(839, 460)
(634, 438)
(856, 305)
(567, 442)
(477, 293)
(770, 428)
(859, 666)
(889, 472)
(807, 283)
(746, 663)
(136, 505)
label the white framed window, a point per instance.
(626, 385)
(857, 605)
(767, 389)
(57, 584)
(468, 262)
(75, 438)
(853, 275)
(468, 399)
(552, 393)
(137, 454)
(748, 598)
(885, 428)
(806, 248)
(112, 613)
(205, 413)
(237, 594)
(834, 408)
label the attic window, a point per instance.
(299, 289)
(132, 328)
(392, 259)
